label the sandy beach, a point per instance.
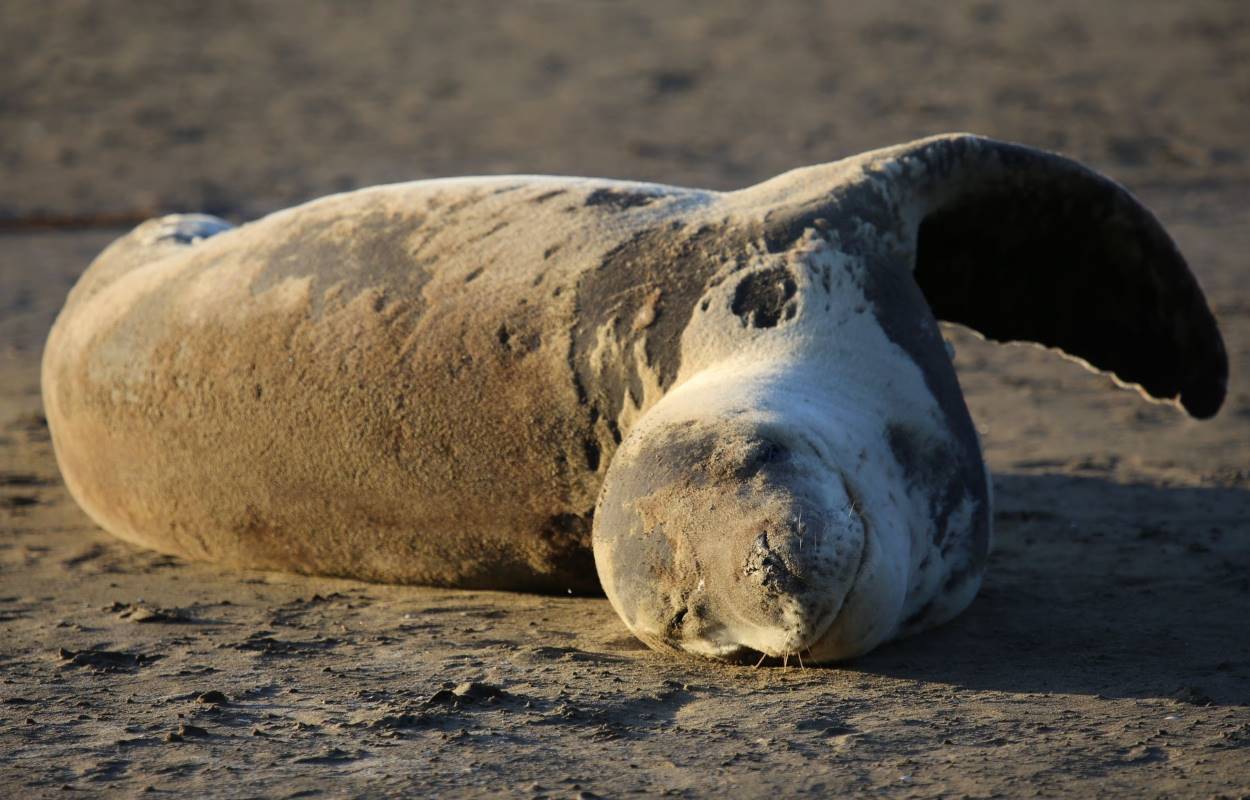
(1108, 653)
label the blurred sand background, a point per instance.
(1109, 652)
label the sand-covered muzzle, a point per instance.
(722, 527)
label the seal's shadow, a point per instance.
(1096, 587)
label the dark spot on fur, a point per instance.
(761, 298)
(929, 465)
(591, 446)
(472, 276)
(579, 388)
(518, 341)
(545, 196)
(496, 228)
(551, 251)
(618, 199)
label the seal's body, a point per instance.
(744, 394)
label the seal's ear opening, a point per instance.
(1024, 245)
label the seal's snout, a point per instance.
(726, 539)
(766, 568)
(794, 575)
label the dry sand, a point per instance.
(1109, 652)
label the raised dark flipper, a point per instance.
(1025, 245)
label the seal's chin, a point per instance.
(744, 643)
(728, 541)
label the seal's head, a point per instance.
(734, 534)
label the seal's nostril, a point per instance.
(769, 569)
(759, 563)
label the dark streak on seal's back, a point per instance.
(679, 260)
(619, 199)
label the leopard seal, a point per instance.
(733, 411)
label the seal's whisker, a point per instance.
(761, 661)
(785, 660)
(799, 656)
